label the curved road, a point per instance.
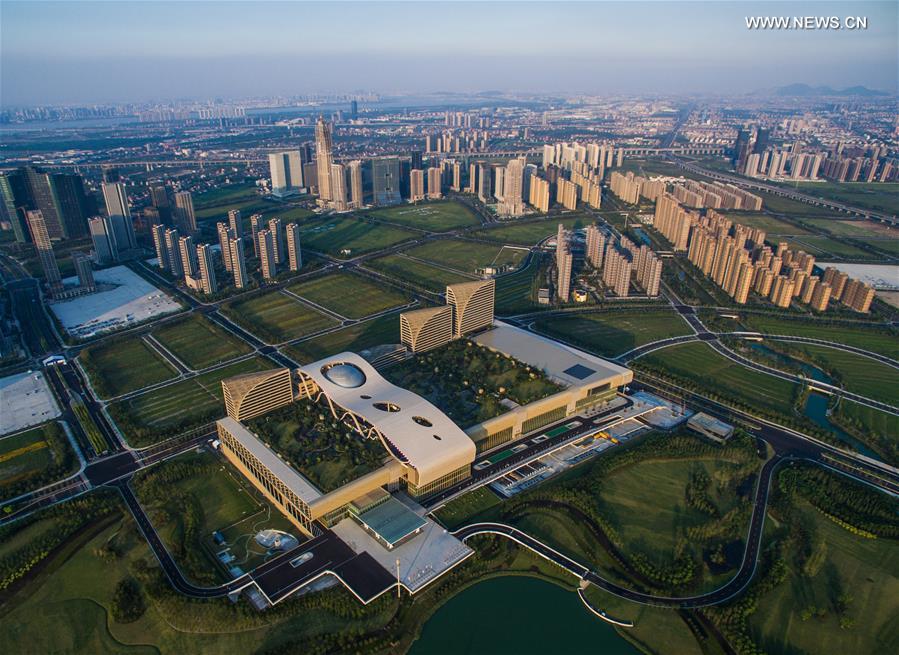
(733, 587)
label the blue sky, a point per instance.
(107, 51)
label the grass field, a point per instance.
(770, 224)
(869, 571)
(612, 333)
(780, 205)
(856, 373)
(276, 317)
(349, 295)
(433, 216)
(878, 426)
(828, 246)
(527, 234)
(229, 505)
(467, 256)
(645, 503)
(217, 202)
(880, 341)
(416, 273)
(333, 235)
(517, 292)
(882, 196)
(888, 245)
(124, 365)
(26, 458)
(460, 511)
(199, 343)
(857, 229)
(701, 365)
(146, 418)
(384, 329)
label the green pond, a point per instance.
(518, 615)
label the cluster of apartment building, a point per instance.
(630, 188)
(737, 259)
(274, 245)
(615, 263)
(756, 158)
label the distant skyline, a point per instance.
(85, 52)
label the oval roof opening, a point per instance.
(348, 376)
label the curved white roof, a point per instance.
(418, 433)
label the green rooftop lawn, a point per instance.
(468, 381)
(328, 453)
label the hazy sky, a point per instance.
(108, 51)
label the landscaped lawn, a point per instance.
(770, 224)
(517, 292)
(276, 317)
(856, 373)
(349, 295)
(885, 342)
(645, 503)
(527, 234)
(868, 569)
(211, 496)
(781, 205)
(615, 332)
(34, 458)
(463, 509)
(165, 412)
(467, 256)
(433, 216)
(199, 343)
(699, 364)
(120, 366)
(871, 426)
(381, 330)
(333, 235)
(880, 196)
(833, 247)
(416, 273)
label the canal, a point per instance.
(817, 404)
(517, 615)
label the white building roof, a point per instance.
(564, 364)
(417, 433)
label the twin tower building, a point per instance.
(468, 308)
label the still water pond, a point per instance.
(518, 615)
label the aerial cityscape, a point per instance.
(449, 327)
